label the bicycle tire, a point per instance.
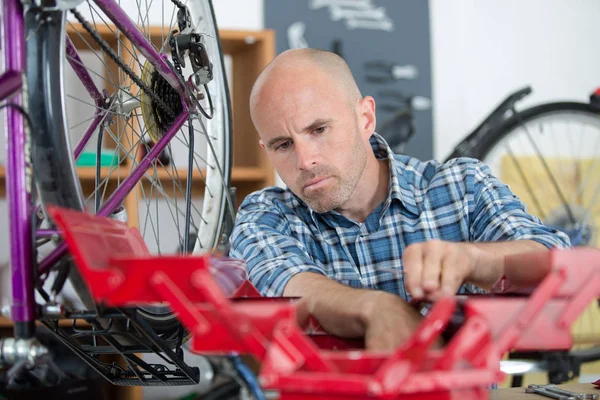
(485, 143)
(54, 167)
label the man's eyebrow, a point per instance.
(317, 123)
(272, 142)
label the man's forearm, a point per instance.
(490, 259)
(341, 310)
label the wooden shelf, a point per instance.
(232, 41)
(6, 323)
(239, 174)
(87, 175)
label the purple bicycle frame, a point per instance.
(18, 160)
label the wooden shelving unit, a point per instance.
(250, 52)
(6, 323)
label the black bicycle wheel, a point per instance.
(549, 155)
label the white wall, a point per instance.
(239, 14)
(484, 49)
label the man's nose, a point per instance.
(306, 155)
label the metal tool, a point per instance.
(380, 71)
(549, 394)
(554, 389)
(555, 392)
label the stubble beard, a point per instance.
(334, 197)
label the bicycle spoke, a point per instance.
(523, 177)
(555, 184)
(104, 62)
(162, 20)
(593, 166)
(109, 25)
(593, 202)
(92, 72)
(77, 125)
(156, 182)
(165, 41)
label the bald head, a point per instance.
(297, 66)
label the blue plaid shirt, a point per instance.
(460, 201)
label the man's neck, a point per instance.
(370, 192)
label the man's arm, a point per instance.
(437, 268)
(383, 319)
(499, 226)
(490, 260)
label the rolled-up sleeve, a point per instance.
(497, 214)
(262, 237)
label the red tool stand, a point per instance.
(226, 314)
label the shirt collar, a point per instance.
(399, 188)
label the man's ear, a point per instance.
(367, 118)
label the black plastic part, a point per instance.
(495, 118)
(89, 343)
(24, 329)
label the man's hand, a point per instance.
(383, 319)
(389, 321)
(437, 268)
(434, 269)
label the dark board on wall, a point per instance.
(386, 43)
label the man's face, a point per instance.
(312, 136)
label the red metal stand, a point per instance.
(226, 314)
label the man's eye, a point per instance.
(283, 146)
(320, 129)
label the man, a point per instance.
(360, 231)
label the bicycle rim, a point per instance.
(157, 203)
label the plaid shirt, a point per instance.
(460, 201)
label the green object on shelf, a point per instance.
(108, 158)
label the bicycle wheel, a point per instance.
(549, 157)
(198, 157)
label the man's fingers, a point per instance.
(413, 270)
(432, 266)
(453, 267)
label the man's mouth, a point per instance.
(315, 183)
